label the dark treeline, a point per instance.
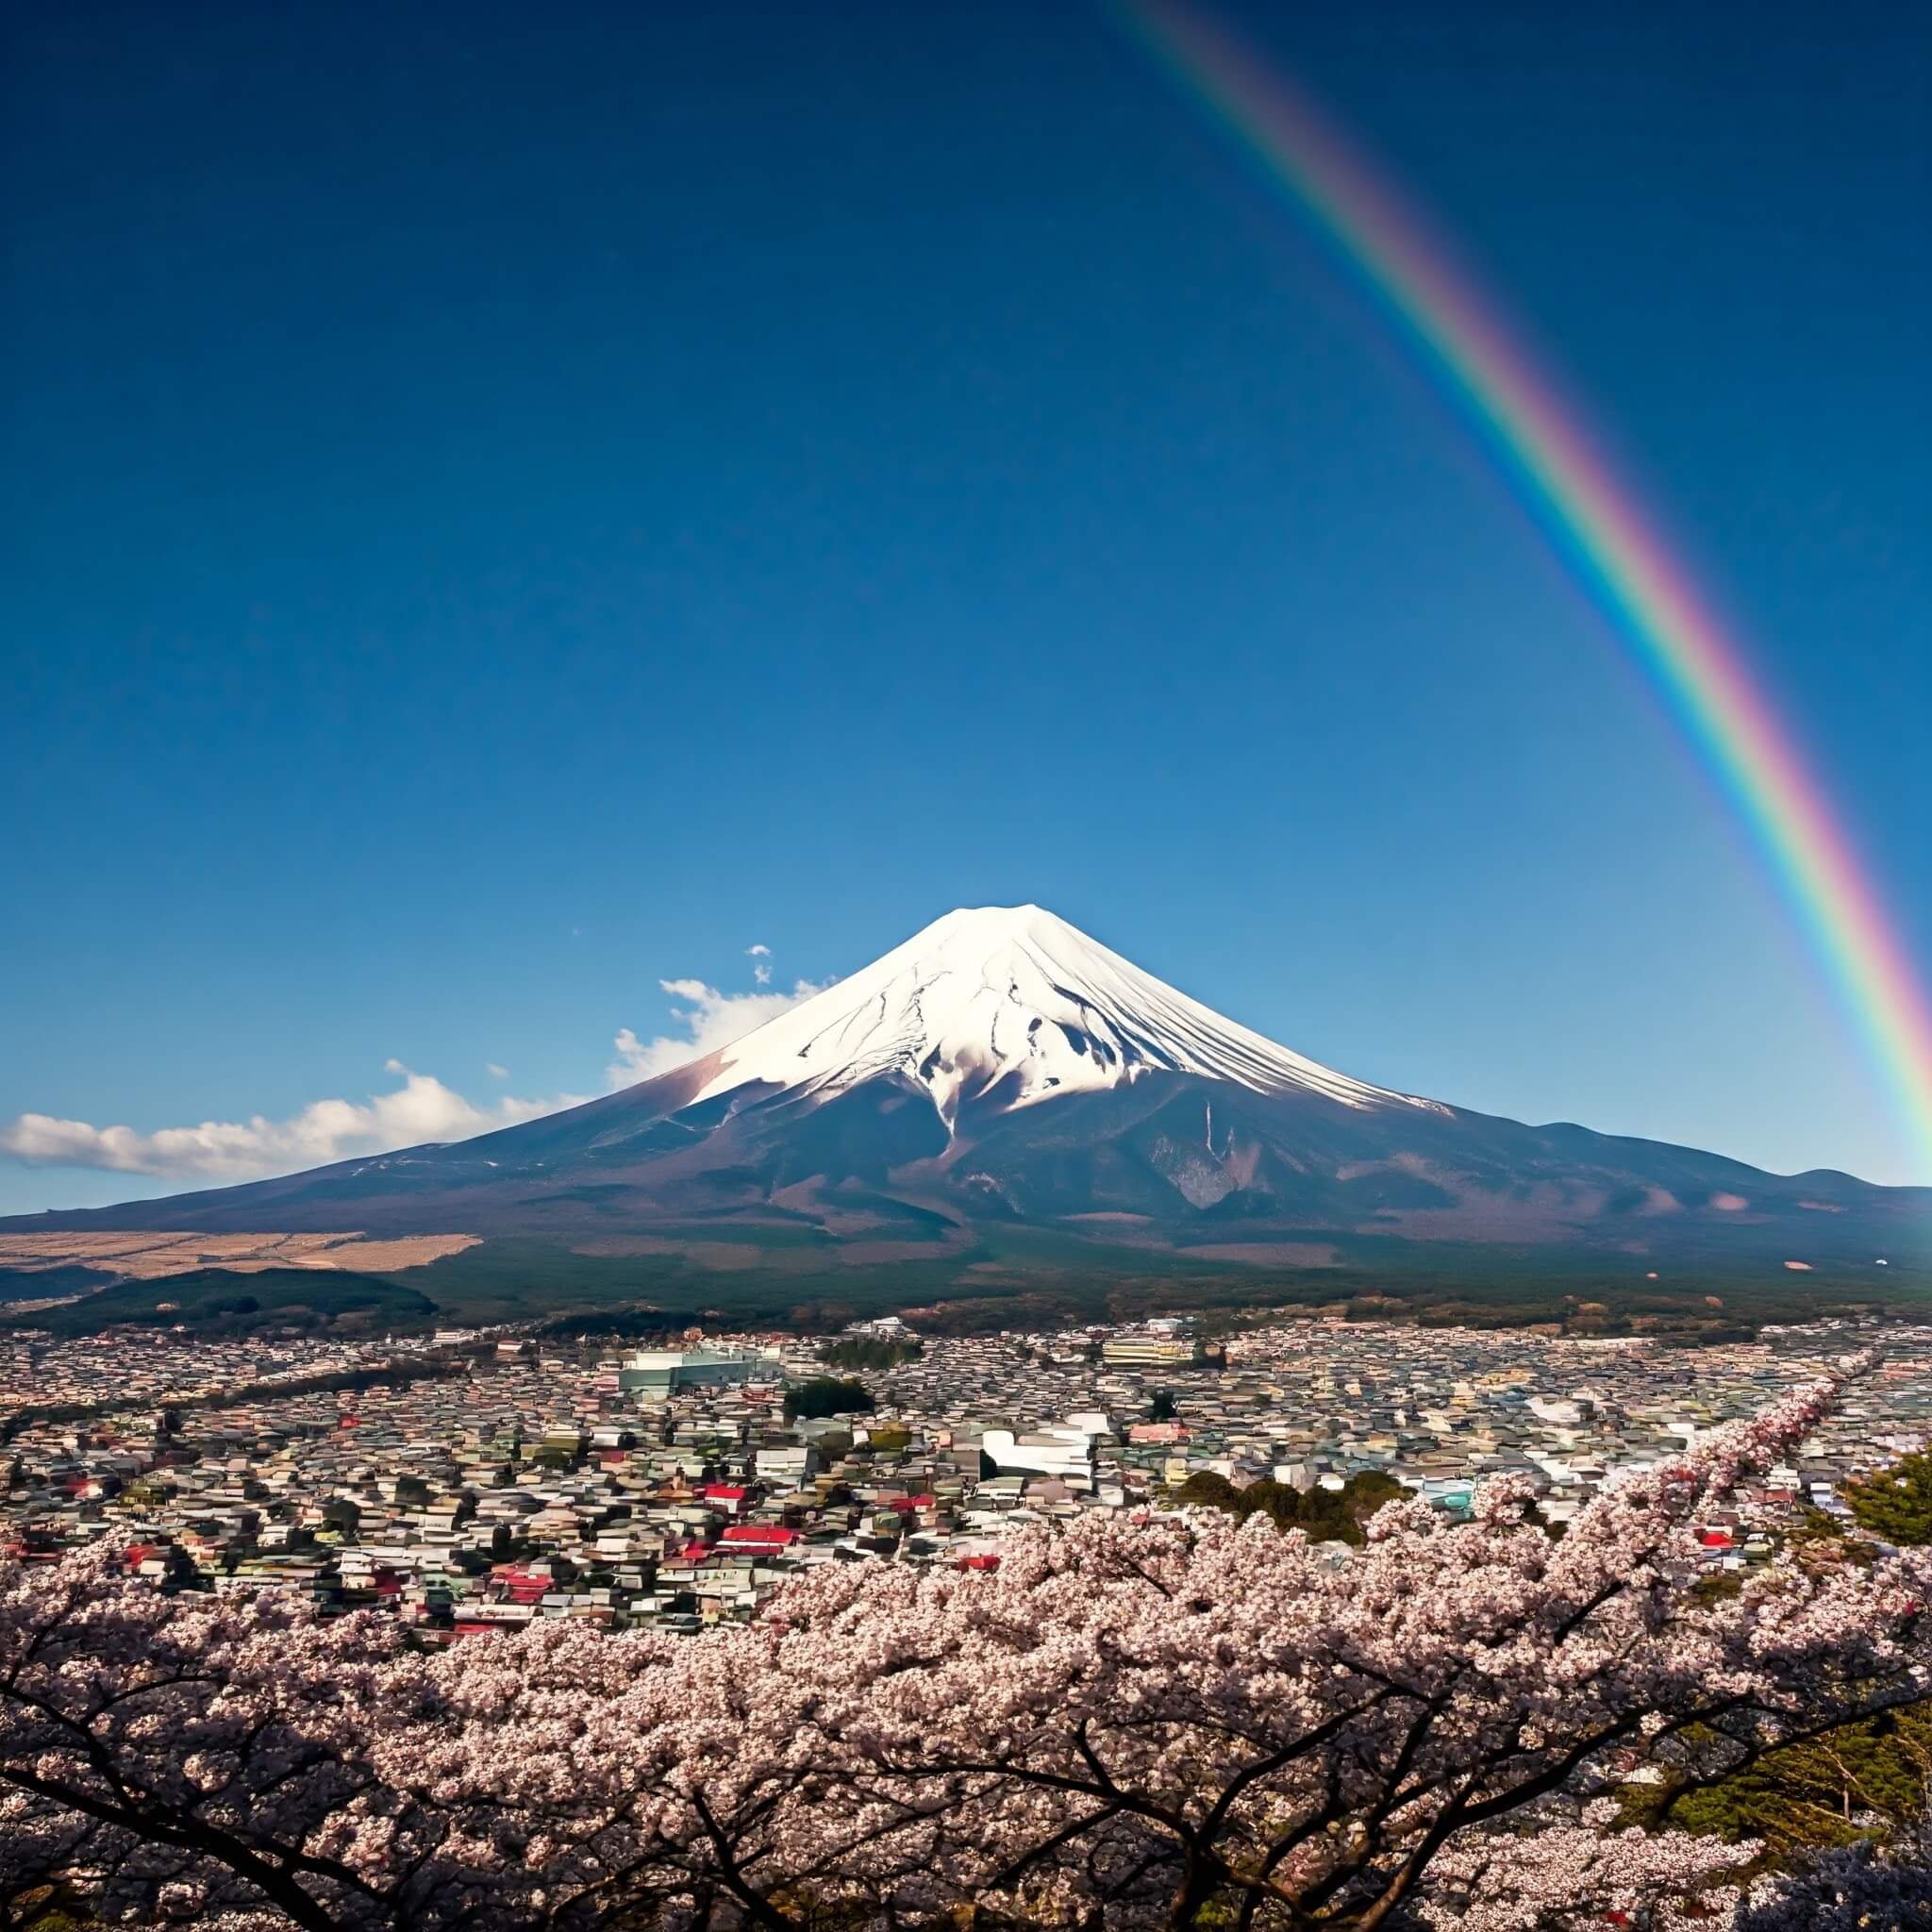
(870, 1351)
(825, 1395)
(1326, 1515)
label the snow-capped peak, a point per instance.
(1010, 997)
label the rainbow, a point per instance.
(1592, 521)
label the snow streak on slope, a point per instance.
(1012, 1006)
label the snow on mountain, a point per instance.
(1009, 1006)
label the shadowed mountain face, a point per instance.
(1003, 1071)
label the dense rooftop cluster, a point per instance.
(471, 1482)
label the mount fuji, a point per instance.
(1003, 1094)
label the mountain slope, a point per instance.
(1002, 1070)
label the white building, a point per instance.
(1063, 1450)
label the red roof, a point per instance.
(726, 1492)
(988, 1562)
(524, 1585)
(766, 1535)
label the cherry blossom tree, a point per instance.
(184, 1756)
(1172, 1721)
(1579, 1869)
(1178, 1722)
(234, 1762)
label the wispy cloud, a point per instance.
(709, 1020)
(761, 971)
(421, 1108)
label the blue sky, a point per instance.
(502, 510)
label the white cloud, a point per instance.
(757, 952)
(421, 1108)
(761, 972)
(711, 1019)
(495, 1071)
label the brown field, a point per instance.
(151, 1256)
